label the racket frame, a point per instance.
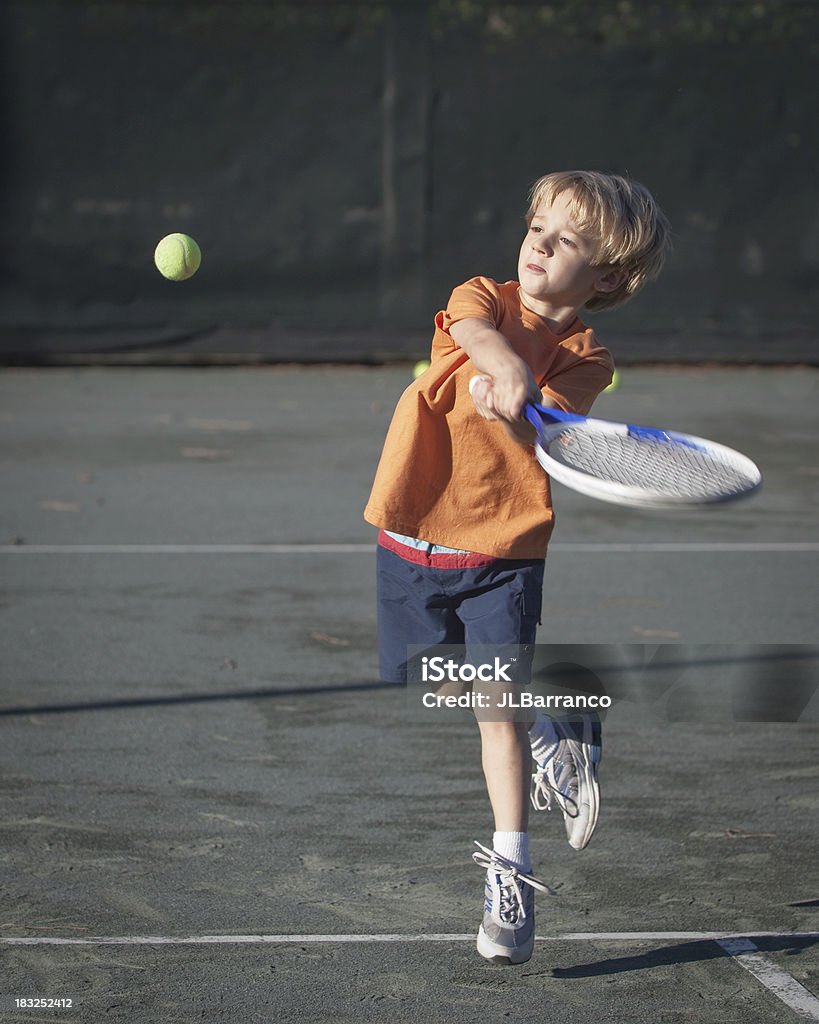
(625, 494)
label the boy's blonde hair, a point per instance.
(620, 217)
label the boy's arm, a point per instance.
(512, 382)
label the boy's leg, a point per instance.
(506, 758)
(502, 615)
(503, 612)
(567, 753)
(507, 931)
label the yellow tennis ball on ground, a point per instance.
(420, 367)
(177, 257)
(615, 382)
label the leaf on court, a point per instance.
(53, 505)
(330, 641)
(206, 454)
(228, 663)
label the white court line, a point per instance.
(350, 549)
(779, 982)
(227, 940)
(185, 549)
(783, 546)
(737, 945)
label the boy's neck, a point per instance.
(557, 320)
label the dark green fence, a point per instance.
(343, 166)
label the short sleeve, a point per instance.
(576, 388)
(479, 297)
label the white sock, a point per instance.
(514, 846)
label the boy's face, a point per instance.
(554, 267)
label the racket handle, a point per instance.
(534, 417)
(537, 414)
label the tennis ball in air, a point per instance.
(177, 257)
(420, 367)
(615, 382)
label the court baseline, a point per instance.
(739, 947)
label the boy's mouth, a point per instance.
(535, 268)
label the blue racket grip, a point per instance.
(536, 414)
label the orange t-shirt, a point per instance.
(447, 475)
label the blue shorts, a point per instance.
(423, 605)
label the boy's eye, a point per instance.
(568, 241)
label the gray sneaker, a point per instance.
(568, 755)
(507, 934)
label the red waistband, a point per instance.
(440, 560)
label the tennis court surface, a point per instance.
(213, 811)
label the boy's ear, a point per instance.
(611, 280)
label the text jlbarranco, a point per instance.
(512, 700)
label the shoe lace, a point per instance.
(541, 793)
(543, 790)
(511, 910)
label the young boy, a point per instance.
(465, 512)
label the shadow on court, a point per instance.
(146, 702)
(198, 762)
(679, 953)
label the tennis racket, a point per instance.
(638, 466)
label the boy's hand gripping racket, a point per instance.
(638, 466)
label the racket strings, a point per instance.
(670, 468)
